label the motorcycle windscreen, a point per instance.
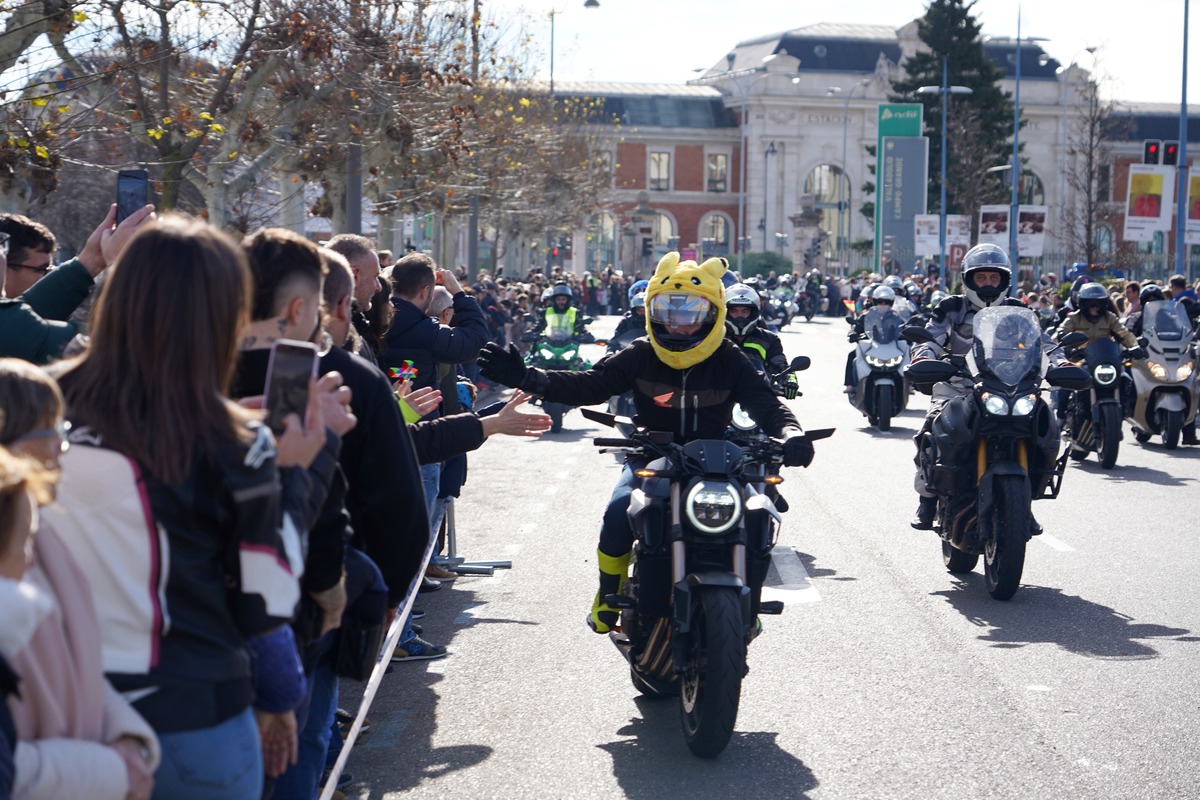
(559, 327)
(1008, 342)
(1166, 320)
(882, 325)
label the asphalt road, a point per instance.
(886, 677)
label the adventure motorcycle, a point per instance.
(1093, 415)
(992, 451)
(704, 527)
(881, 390)
(556, 349)
(1161, 390)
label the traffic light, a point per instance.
(647, 247)
(1151, 151)
(554, 252)
(1170, 153)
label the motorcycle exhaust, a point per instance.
(656, 658)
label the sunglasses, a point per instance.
(62, 430)
(40, 269)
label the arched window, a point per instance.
(829, 186)
(1031, 192)
(1104, 240)
(714, 234)
(601, 241)
(664, 229)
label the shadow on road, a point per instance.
(1042, 615)
(808, 560)
(656, 763)
(1132, 474)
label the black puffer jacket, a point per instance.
(693, 403)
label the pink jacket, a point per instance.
(68, 713)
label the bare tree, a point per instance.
(1089, 170)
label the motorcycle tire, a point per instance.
(710, 687)
(1004, 554)
(809, 314)
(957, 561)
(1109, 439)
(1172, 425)
(884, 405)
(556, 416)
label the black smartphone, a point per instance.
(133, 191)
(293, 364)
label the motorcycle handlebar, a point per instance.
(602, 442)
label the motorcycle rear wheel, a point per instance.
(1110, 436)
(883, 407)
(1172, 425)
(957, 561)
(1004, 554)
(711, 685)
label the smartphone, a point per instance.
(293, 364)
(133, 191)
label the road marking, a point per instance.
(550, 490)
(1057, 544)
(1038, 688)
(794, 585)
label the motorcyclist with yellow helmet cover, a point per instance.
(685, 377)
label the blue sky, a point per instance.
(1140, 44)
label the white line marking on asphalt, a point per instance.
(550, 490)
(1038, 688)
(528, 527)
(1057, 544)
(537, 508)
(795, 585)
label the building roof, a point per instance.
(1153, 121)
(654, 105)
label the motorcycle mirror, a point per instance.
(799, 364)
(916, 334)
(603, 417)
(849, 319)
(930, 371)
(1073, 339)
(1069, 377)
(1075, 356)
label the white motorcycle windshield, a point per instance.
(1008, 342)
(1166, 320)
(883, 326)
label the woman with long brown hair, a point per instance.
(169, 500)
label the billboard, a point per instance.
(927, 233)
(903, 181)
(895, 119)
(993, 225)
(1031, 230)
(1148, 202)
(1191, 234)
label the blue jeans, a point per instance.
(616, 534)
(223, 762)
(300, 780)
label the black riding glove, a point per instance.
(1138, 353)
(798, 451)
(790, 388)
(504, 366)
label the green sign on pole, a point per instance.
(895, 119)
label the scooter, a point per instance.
(881, 390)
(1160, 391)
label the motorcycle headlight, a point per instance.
(995, 405)
(883, 363)
(713, 508)
(1185, 371)
(1104, 374)
(546, 352)
(741, 420)
(1158, 370)
(1023, 406)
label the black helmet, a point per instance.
(1093, 300)
(985, 258)
(741, 295)
(1150, 293)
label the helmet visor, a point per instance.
(680, 310)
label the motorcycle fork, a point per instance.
(981, 460)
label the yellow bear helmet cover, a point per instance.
(675, 281)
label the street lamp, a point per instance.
(1181, 265)
(1014, 202)
(943, 90)
(552, 15)
(844, 183)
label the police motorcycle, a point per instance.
(880, 356)
(704, 526)
(1093, 415)
(557, 347)
(1165, 384)
(993, 451)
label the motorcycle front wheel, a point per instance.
(1004, 554)
(1172, 424)
(711, 685)
(1110, 435)
(884, 407)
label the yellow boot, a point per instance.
(614, 571)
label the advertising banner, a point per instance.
(1148, 203)
(1031, 230)
(903, 180)
(993, 225)
(895, 119)
(1191, 234)
(927, 234)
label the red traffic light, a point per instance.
(1170, 153)
(554, 252)
(1150, 151)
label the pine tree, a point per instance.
(985, 117)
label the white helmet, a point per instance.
(741, 295)
(884, 294)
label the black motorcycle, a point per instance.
(704, 525)
(1093, 415)
(992, 451)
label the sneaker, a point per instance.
(418, 613)
(417, 649)
(926, 510)
(440, 573)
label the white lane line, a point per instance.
(794, 584)
(1057, 544)
(550, 490)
